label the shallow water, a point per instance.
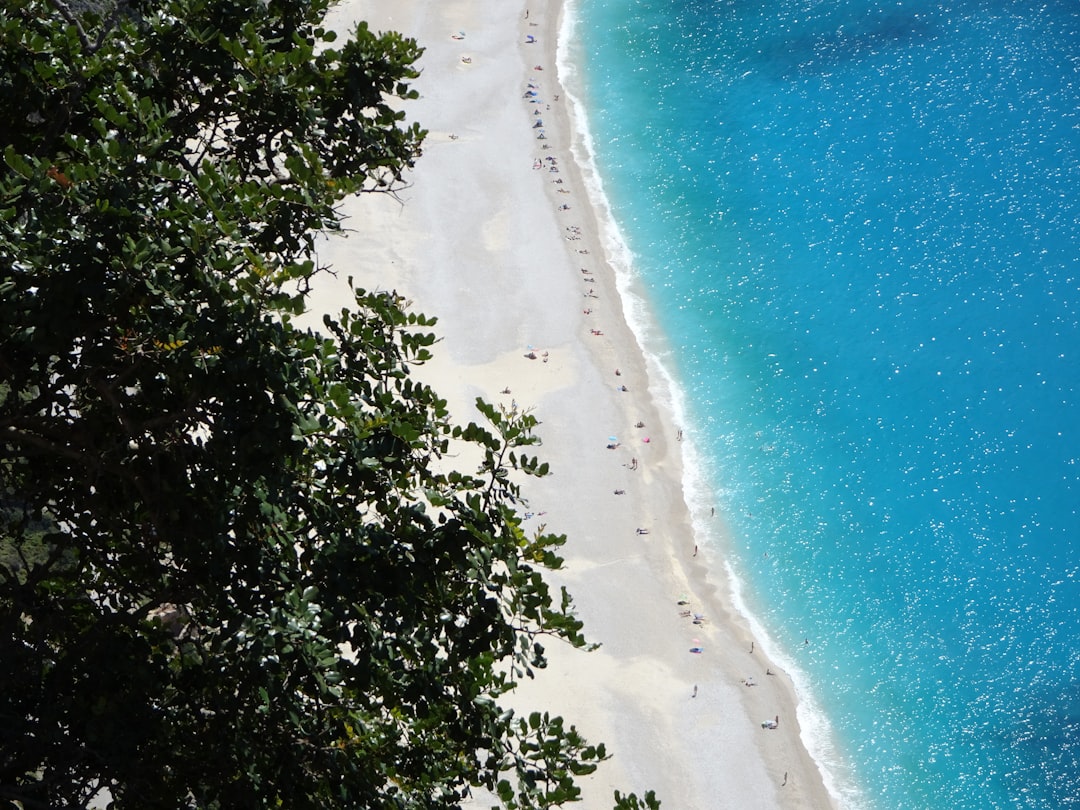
(858, 228)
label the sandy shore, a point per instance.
(496, 238)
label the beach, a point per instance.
(496, 236)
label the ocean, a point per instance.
(853, 233)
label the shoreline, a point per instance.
(715, 587)
(481, 240)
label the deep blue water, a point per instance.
(858, 226)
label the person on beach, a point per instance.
(642, 531)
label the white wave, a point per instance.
(698, 488)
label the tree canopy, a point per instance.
(236, 567)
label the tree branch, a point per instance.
(70, 18)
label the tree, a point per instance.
(236, 568)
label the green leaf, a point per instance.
(17, 162)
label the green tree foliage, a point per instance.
(236, 568)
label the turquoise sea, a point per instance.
(857, 229)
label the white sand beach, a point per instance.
(495, 237)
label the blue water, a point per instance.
(858, 226)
